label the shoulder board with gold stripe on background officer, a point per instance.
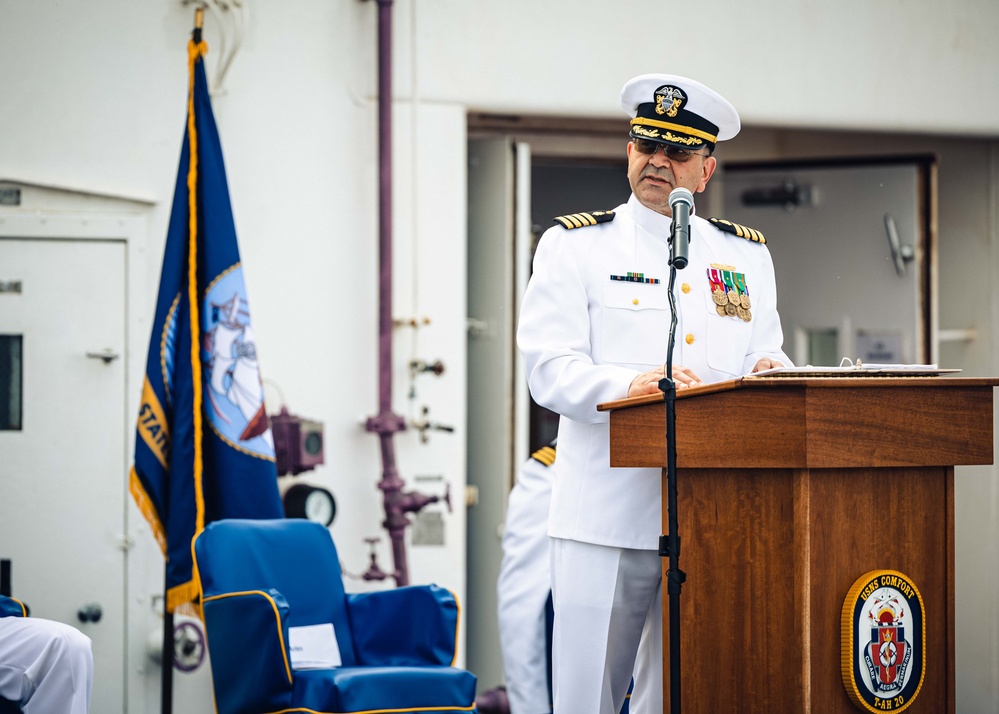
(545, 455)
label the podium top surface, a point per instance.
(808, 382)
(809, 422)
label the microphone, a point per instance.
(680, 202)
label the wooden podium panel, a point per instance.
(783, 423)
(789, 490)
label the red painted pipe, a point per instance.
(397, 504)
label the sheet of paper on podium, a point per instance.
(855, 370)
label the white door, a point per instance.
(62, 467)
(491, 348)
(851, 248)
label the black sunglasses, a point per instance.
(673, 153)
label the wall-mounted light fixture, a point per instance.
(787, 194)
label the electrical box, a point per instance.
(298, 443)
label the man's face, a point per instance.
(654, 176)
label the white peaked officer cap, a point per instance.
(675, 110)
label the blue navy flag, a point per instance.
(203, 446)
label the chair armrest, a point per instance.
(247, 644)
(9, 607)
(410, 626)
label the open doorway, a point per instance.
(513, 197)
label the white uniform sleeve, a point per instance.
(554, 337)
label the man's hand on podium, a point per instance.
(648, 382)
(767, 363)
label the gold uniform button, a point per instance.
(689, 338)
(635, 301)
(685, 287)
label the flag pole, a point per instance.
(166, 660)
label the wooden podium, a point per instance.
(789, 490)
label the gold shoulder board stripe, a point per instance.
(545, 455)
(579, 220)
(741, 231)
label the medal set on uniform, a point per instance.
(729, 291)
(635, 278)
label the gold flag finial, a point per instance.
(199, 18)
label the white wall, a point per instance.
(92, 96)
(892, 64)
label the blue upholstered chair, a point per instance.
(9, 607)
(259, 578)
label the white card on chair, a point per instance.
(313, 647)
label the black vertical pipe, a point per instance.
(674, 576)
(670, 543)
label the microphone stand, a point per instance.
(669, 545)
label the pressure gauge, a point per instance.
(313, 503)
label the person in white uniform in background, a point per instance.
(46, 667)
(524, 589)
(594, 327)
(524, 586)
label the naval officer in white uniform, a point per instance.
(594, 327)
(46, 667)
(524, 585)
